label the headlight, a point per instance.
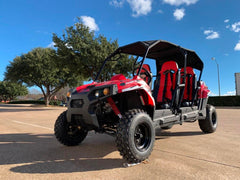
(69, 94)
(97, 93)
(102, 92)
(106, 91)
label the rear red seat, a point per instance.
(166, 83)
(190, 84)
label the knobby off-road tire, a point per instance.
(135, 136)
(67, 133)
(209, 125)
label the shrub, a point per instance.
(55, 102)
(27, 102)
(224, 100)
(52, 102)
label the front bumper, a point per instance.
(82, 106)
(81, 113)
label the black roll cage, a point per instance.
(161, 51)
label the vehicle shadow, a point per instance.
(25, 107)
(43, 154)
(22, 110)
(10, 105)
(164, 134)
(189, 133)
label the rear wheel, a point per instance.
(209, 125)
(69, 134)
(135, 136)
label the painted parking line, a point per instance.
(34, 125)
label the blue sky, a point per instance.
(210, 27)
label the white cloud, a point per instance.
(230, 93)
(179, 13)
(160, 11)
(68, 46)
(180, 2)
(51, 45)
(236, 27)
(90, 22)
(117, 3)
(140, 7)
(212, 94)
(237, 47)
(211, 34)
(226, 20)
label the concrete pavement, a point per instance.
(29, 150)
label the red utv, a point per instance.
(130, 109)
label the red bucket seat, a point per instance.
(190, 84)
(166, 83)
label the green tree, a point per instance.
(40, 67)
(10, 90)
(84, 53)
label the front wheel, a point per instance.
(209, 125)
(135, 136)
(69, 134)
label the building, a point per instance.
(237, 82)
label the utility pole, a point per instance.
(214, 59)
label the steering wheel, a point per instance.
(148, 73)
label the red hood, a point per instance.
(123, 85)
(87, 87)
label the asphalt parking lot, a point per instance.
(29, 150)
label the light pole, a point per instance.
(213, 58)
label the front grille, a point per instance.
(77, 117)
(76, 103)
(79, 120)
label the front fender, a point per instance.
(147, 98)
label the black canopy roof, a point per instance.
(163, 51)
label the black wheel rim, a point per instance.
(142, 137)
